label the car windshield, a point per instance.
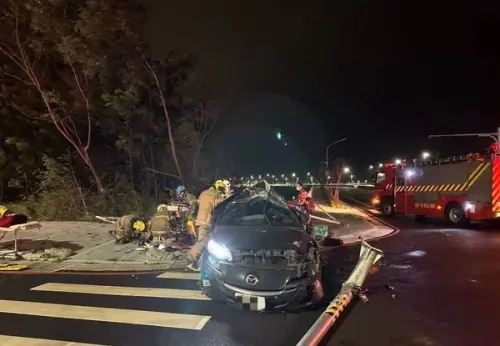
(256, 207)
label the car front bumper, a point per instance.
(279, 293)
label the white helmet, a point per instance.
(161, 207)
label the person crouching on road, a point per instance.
(127, 227)
(190, 200)
(159, 226)
(207, 202)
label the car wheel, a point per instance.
(455, 214)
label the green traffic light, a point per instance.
(278, 135)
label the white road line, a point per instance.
(179, 275)
(7, 340)
(75, 312)
(122, 291)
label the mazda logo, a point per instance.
(251, 280)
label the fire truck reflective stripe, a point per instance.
(425, 188)
(495, 190)
(411, 188)
(471, 177)
(476, 177)
(457, 187)
(447, 187)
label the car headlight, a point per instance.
(219, 251)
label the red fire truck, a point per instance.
(460, 189)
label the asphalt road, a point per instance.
(445, 293)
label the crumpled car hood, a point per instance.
(253, 237)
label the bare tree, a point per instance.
(205, 119)
(58, 112)
(338, 169)
(163, 101)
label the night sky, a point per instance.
(385, 74)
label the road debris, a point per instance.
(389, 287)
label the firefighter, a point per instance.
(207, 202)
(227, 189)
(126, 227)
(189, 199)
(159, 226)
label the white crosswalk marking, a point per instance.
(101, 313)
(122, 291)
(179, 275)
(75, 312)
(8, 340)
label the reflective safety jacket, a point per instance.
(302, 198)
(159, 222)
(192, 201)
(207, 202)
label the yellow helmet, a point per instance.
(3, 210)
(220, 186)
(139, 226)
(161, 207)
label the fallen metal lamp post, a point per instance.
(368, 256)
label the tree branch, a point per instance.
(162, 173)
(87, 105)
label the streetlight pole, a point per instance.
(328, 147)
(493, 135)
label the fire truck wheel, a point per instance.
(388, 208)
(455, 214)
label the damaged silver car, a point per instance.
(261, 254)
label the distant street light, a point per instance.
(259, 176)
(293, 175)
(282, 175)
(273, 176)
(371, 167)
(380, 165)
(278, 135)
(397, 161)
(251, 177)
(352, 176)
(328, 147)
(346, 170)
(425, 155)
(308, 173)
(286, 179)
(267, 174)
